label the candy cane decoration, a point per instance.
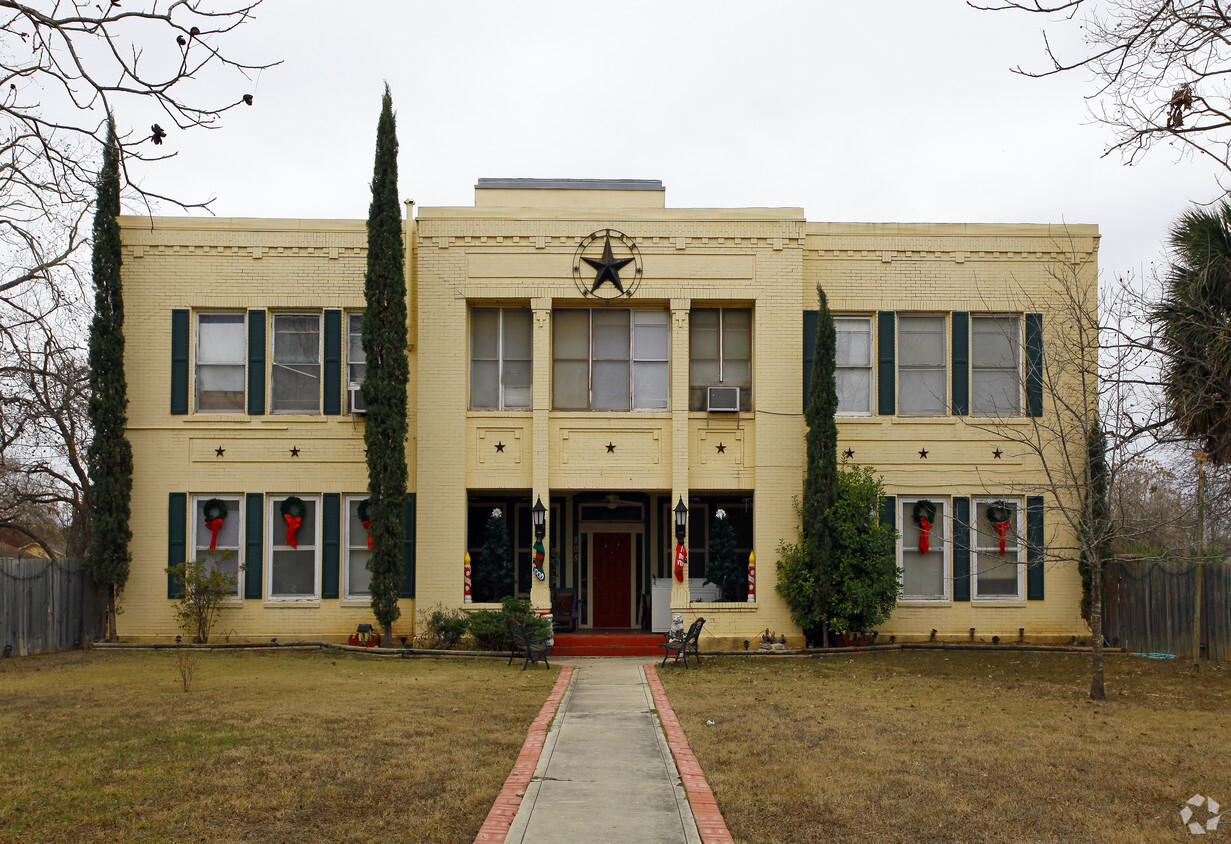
(681, 555)
(752, 577)
(467, 578)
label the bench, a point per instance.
(683, 647)
(522, 644)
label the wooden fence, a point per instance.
(46, 606)
(1149, 607)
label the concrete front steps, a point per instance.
(608, 643)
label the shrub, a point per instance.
(443, 627)
(491, 632)
(203, 589)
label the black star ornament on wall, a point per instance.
(614, 278)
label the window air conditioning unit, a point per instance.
(723, 400)
(354, 392)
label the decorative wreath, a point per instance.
(215, 508)
(924, 509)
(364, 514)
(293, 506)
(998, 511)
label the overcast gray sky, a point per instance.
(898, 110)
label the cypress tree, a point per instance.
(384, 385)
(109, 455)
(1095, 535)
(820, 482)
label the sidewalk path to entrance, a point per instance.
(606, 772)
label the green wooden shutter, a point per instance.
(333, 363)
(331, 538)
(1034, 548)
(254, 548)
(179, 361)
(256, 362)
(886, 381)
(811, 318)
(961, 363)
(408, 547)
(1034, 364)
(177, 540)
(961, 548)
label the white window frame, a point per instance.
(904, 370)
(745, 398)
(870, 366)
(946, 520)
(349, 544)
(277, 540)
(501, 404)
(198, 532)
(353, 362)
(241, 361)
(632, 359)
(977, 506)
(273, 362)
(1018, 348)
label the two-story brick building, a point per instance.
(577, 342)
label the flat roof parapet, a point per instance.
(569, 184)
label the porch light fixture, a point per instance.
(540, 519)
(681, 520)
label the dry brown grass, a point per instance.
(927, 746)
(268, 746)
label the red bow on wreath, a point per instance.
(292, 525)
(214, 526)
(1001, 529)
(367, 525)
(924, 527)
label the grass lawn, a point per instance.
(929, 746)
(267, 746)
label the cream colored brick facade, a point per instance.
(515, 248)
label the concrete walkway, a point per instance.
(606, 773)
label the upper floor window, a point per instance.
(296, 370)
(720, 354)
(356, 363)
(995, 370)
(610, 359)
(921, 365)
(500, 359)
(853, 371)
(220, 373)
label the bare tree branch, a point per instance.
(1158, 66)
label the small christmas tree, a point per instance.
(493, 570)
(724, 567)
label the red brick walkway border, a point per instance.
(496, 827)
(710, 825)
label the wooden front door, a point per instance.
(613, 588)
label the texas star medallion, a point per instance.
(617, 253)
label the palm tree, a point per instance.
(1193, 323)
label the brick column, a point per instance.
(679, 437)
(540, 591)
